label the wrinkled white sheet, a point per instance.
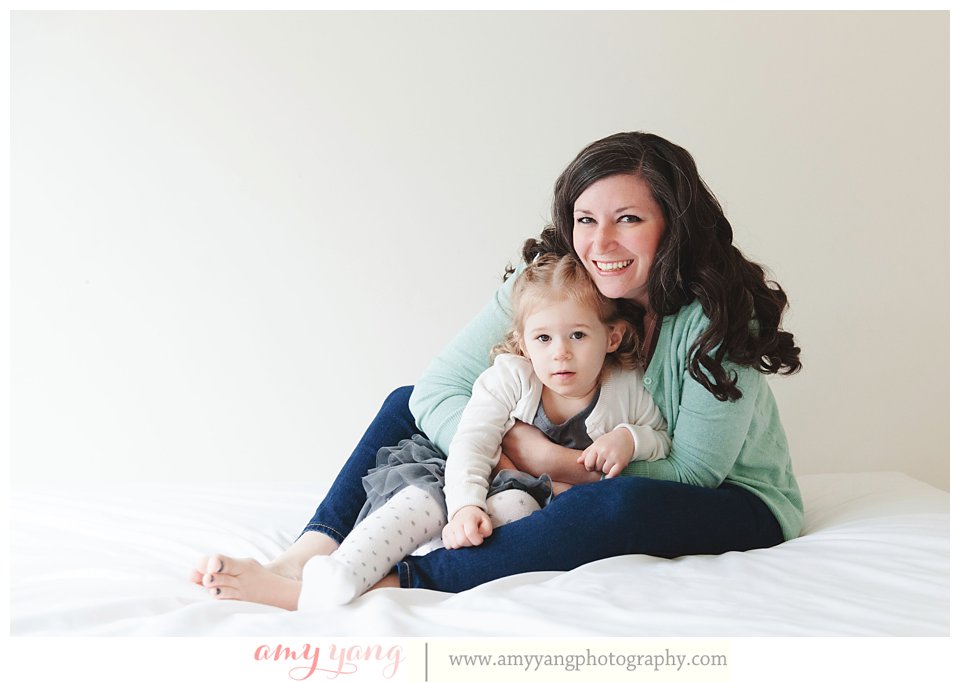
(114, 559)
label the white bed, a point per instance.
(113, 560)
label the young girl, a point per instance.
(568, 367)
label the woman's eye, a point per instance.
(584, 220)
(578, 335)
(629, 219)
(543, 338)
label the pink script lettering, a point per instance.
(345, 660)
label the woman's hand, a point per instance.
(468, 528)
(531, 451)
(610, 453)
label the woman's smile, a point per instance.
(612, 266)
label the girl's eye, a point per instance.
(578, 335)
(543, 338)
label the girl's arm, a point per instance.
(475, 447)
(709, 434)
(646, 425)
(644, 436)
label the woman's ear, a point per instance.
(615, 335)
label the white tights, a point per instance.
(408, 520)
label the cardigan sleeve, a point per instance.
(441, 394)
(649, 430)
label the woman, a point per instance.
(634, 210)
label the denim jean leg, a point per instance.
(596, 521)
(338, 511)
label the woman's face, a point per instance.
(617, 226)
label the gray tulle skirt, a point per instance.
(419, 463)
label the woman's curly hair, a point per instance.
(696, 259)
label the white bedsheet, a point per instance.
(114, 560)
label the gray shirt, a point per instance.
(571, 433)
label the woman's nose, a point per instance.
(605, 237)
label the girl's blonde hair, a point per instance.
(552, 278)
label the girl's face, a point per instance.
(567, 343)
(617, 226)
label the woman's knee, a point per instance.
(615, 501)
(400, 394)
(398, 400)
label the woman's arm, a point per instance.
(531, 451)
(441, 394)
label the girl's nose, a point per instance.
(562, 351)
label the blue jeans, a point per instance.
(338, 512)
(623, 515)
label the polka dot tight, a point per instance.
(408, 520)
(510, 505)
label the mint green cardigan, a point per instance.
(713, 441)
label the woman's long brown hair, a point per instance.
(696, 259)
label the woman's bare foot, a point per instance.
(392, 579)
(275, 584)
(247, 580)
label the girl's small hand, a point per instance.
(610, 453)
(468, 528)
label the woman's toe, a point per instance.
(216, 564)
(224, 593)
(220, 580)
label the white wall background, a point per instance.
(234, 233)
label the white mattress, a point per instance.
(113, 560)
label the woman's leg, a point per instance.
(278, 582)
(623, 515)
(337, 513)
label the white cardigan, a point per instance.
(509, 392)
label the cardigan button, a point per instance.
(647, 381)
